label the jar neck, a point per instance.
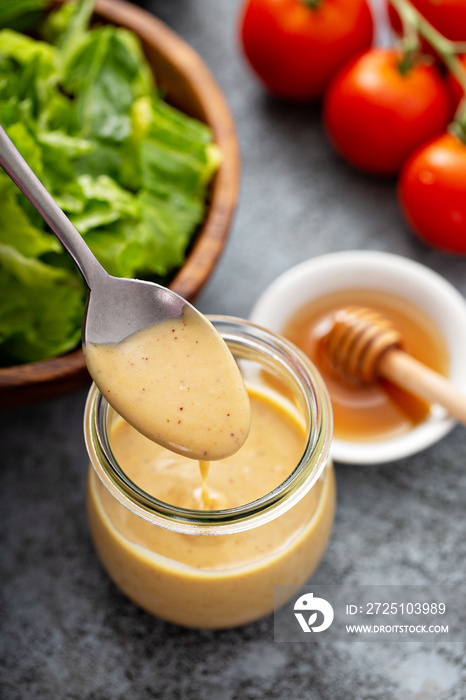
(270, 352)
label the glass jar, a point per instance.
(216, 569)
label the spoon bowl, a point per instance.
(117, 307)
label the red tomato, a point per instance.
(295, 48)
(432, 193)
(447, 16)
(376, 116)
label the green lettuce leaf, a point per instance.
(41, 310)
(18, 230)
(106, 72)
(21, 14)
(65, 26)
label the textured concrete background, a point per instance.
(66, 632)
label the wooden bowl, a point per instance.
(189, 85)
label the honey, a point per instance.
(380, 410)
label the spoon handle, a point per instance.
(19, 171)
(410, 374)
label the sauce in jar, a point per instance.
(275, 443)
(208, 550)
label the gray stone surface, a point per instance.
(66, 632)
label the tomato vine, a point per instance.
(414, 26)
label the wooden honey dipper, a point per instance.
(363, 345)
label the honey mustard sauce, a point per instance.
(226, 580)
(178, 384)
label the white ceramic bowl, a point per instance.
(394, 274)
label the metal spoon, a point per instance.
(116, 306)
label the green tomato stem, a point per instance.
(411, 41)
(312, 4)
(414, 21)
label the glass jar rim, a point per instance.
(241, 336)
